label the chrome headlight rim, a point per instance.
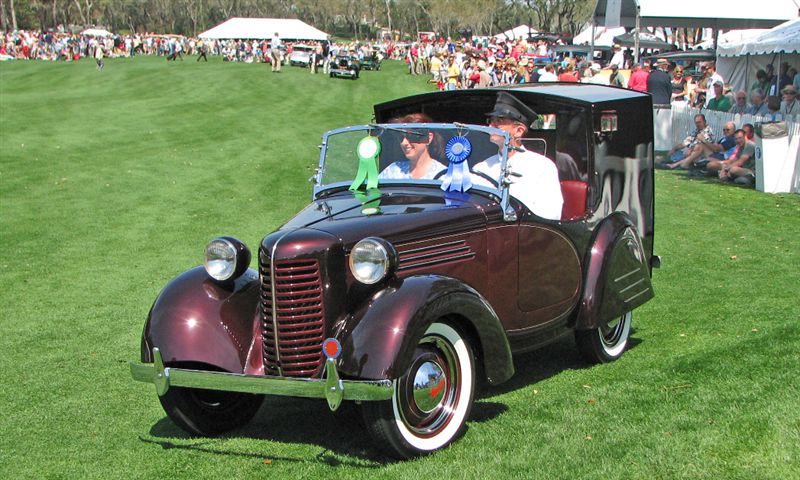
(226, 258)
(379, 263)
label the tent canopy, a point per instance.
(646, 40)
(602, 36)
(693, 14)
(263, 28)
(96, 32)
(785, 38)
(521, 31)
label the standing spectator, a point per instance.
(549, 74)
(568, 75)
(616, 79)
(761, 82)
(202, 48)
(275, 52)
(618, 58)
(740, 106)
(679, 85)
(98, 56)
(659, 84)
(719, 102)
(713, 78)
(453, 72)
(796, 80)
(638, 80)
(790, 105)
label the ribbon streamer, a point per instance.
(368, 150)
(458, 177)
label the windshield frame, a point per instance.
(502, 192)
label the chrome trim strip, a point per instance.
(428, 263)
(640, 293)
(438, 253)
(273, 290)
(331, 388)
(438, 245)
(627, 274)
(632, 285)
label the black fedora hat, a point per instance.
(508, 106)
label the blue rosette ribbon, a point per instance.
(458, 177)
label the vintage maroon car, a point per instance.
(403, 295)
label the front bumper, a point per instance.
(331, 387)
(343, 73)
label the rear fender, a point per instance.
(617, 277)
(197, 319)
(378, 341)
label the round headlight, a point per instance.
(226, 258)
(371, 260)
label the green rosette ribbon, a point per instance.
(368, 150)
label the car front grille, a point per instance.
(293, 326)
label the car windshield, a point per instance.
(424, 153)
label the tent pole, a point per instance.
(591, 49)
(636, 38)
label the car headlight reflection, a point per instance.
(226, 258)
(372, 259)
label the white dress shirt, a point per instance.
(537, 185)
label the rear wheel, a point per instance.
(209, 412)
(606, 343)
(431, 400)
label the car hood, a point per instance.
(396, 215)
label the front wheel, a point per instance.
(209, 412)
(605, 343)
(431, 400)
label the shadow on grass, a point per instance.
(342, 434)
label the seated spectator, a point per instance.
(740, 106)
(790, 105)
(774, 108)
(750, 131)
(757, 104)
(702, 133)
(705, 152)
(740, 165)
(720, 102)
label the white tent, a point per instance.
(96, 32)
(603, 37)
(737, 61)
(263, 28)
(521, 31)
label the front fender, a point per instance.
(197, 319)
(617, 277)
(379, 339)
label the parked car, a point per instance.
(406, 295)
(301, 55)
(345, 65)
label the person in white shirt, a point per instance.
(534, 177)
(275, 52)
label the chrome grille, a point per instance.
(293, 341)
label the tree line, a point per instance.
(360, 19)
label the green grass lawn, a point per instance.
(112, 182)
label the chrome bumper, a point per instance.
(331, 387)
